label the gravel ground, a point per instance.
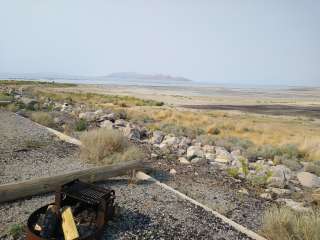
(212, 187)
(147, 211)
(30, 150)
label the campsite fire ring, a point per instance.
(80, 211)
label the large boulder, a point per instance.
(110, 116)
(170, 140)
(29, 102)
(280, 175)
(120, 123)
(222, 155)
(309, 180)
(132, 132)
(194, 151)
(88, 116)
(107, 124)
(157, 137)
(208, 149)
(184, 142)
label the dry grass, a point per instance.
(261, 130)
(106, 146)
(285, 224)
(43, 118)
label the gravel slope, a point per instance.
(28, 150)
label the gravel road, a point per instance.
(28, 150)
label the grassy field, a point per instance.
(259, 129)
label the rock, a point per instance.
(157, 137)
(110, 116)
(181, 152)
(244, 191)
(184, 142)
(120, 123)
(196, 160)
(173, 171)
(280, 191)
(132, 132)
(194, 151)
(154, 155)
(29, 102)
(183, 160)
(266, 196)
(208, 149)
(296, 206)
(276, 182)
(222, 155)
(309, 180)
(106, 124)
(170, 140)
(210, 157)
(236, 153)
(66, 107)
(282, 172)
(99, 112)
(88, 116)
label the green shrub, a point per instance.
(282, 223)
(81, 125)
(233, 172)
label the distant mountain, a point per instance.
(140, 76)
(121, 76)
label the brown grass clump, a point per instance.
(282, 223)
(42, 118)
(106, 146)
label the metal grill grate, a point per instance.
(85, 192)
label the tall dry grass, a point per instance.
(106, 146)
(282, 223)
(43, 118)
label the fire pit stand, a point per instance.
(82, 198)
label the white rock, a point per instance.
(244, 191)
(157, 137)
(106, 124)
(173, 171)
(280, 191)
(266, 196)
(120, 123)
(208, 149)
(170, 140)
(222, 155)
(309, 180)
(132, 132)
(297, 206)
(194, 151)
(210, 156)
(196, 160)
(183, 160)
(184, 142)
(88, 116)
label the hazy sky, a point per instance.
(239, 41)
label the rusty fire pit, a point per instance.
(91, 206)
